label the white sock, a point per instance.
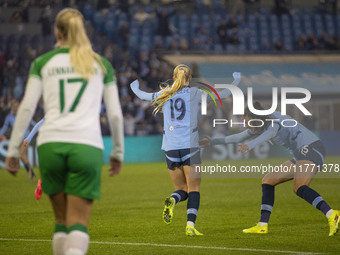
(329, 213)
(77, 243)
(190, 223)
(58, 243)
(262, 224)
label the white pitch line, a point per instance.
(177, 246)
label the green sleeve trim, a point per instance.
(41, 61)
(35, 69)
(109, 77)
(31, 75)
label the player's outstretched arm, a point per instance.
(115, 117)
(265, 136)
(236, 138)
(34, 130)
(141, 94)
(226, 92)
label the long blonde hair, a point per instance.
(181, 76)
(70, 23)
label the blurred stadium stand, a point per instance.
(128, 35)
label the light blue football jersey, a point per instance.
(292, 138)
(180, 114)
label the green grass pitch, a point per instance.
(127, 219)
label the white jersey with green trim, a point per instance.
(71, 103)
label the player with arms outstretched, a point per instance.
(72, 80)
(307, 150)
(180, 140)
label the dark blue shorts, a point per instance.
(183, 157)
(314, 152)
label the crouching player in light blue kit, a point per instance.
(309, 155)
(180, 140)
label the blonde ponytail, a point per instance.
(70, 23)
(182, 75)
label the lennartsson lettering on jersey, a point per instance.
(63, 70)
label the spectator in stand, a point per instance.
(328, 43)
(154, 61)
(16, 18)
(238, 7)
(282, 7)
(278, 46)
(46, 26)
(312, 42)
(24, 11)
(153, 80)
(222, 33)
(129, 124)
(184, 45)
(124, 34)
(302, 43)
(144, 68)
(328, 6)
(140, 16)
(163, 28)
(159, 44)
(196, 44)
(124, 6)
(9, 75)
(232, 23)
(234, 39)
(267, 46)
(336, 41)
(203, 40)
(103, 5)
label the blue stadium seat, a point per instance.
(146, 31)
(135, 32)
(110, 16)
(134, 8)
(168, 41)
(182, 18)
(288, 44)
(148, 8)
(36, 41)
(149, 23)
(263, 11)
(110, 30)
(123, 16)
(145, 47)
(240, 18)
(98, 21)
(113, 8)
(251, 20)
(88, 11)
(218, 47)
(242, 47)
(254, 47)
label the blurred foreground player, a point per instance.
(72, 80)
